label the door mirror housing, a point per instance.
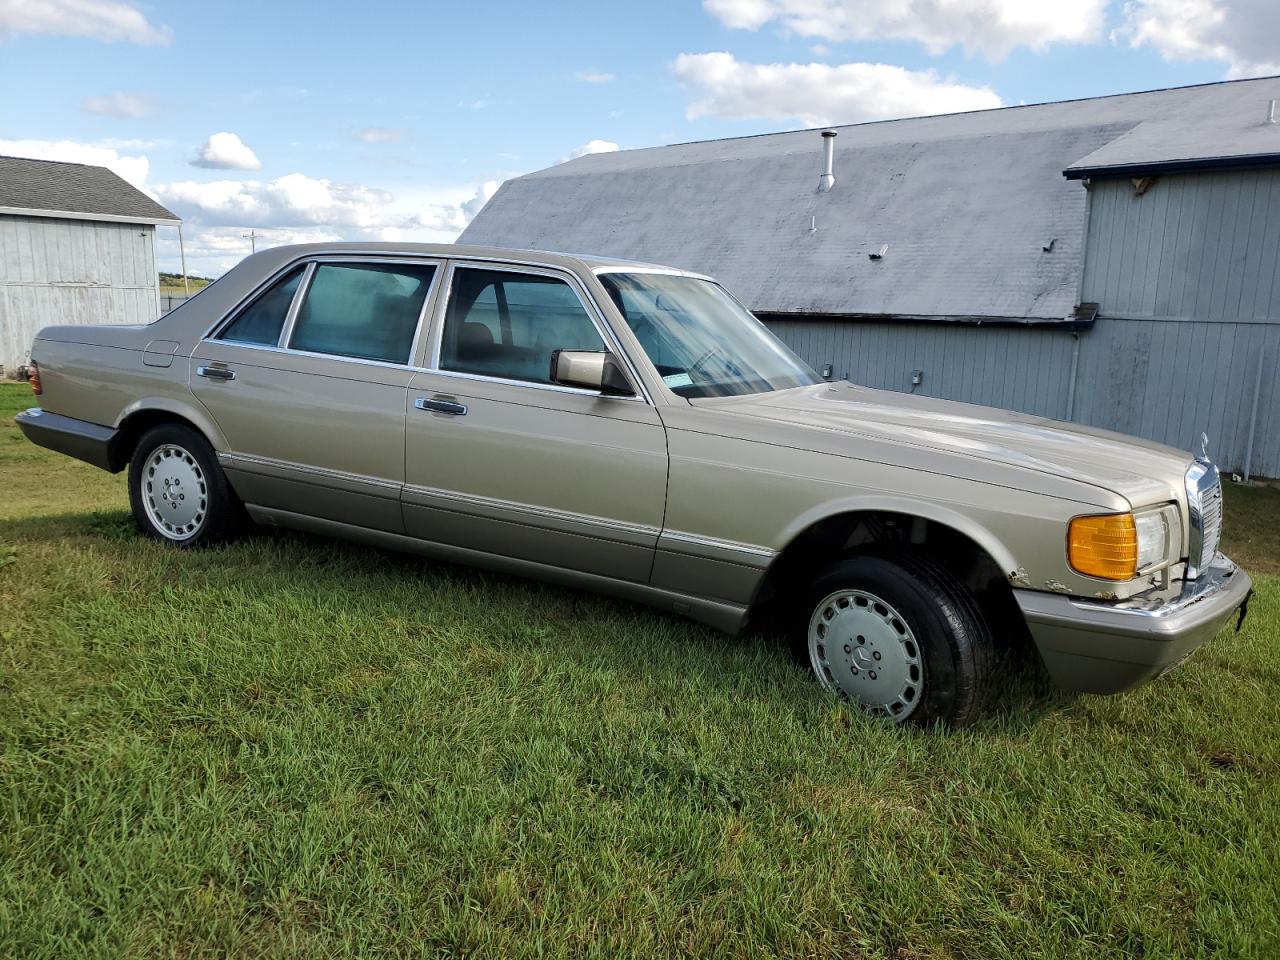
(590, 370)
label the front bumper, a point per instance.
(1098, 647)
(90, 442)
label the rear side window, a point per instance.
(368, 311)
(502, 324)
(261, 322)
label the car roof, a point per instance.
(249, 275)
(579, 261)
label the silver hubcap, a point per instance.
(863, 648)
(174, 492)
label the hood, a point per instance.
(1139, 470)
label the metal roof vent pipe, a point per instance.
(828, 178)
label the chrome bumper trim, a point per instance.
(1108, 647)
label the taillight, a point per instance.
(33, 378)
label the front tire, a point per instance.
(899, 636)
(178, 493)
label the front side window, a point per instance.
(702, 341)
(507, 325)
(260, 323)
(368, 311)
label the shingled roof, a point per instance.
(979, 221)
(50, 188)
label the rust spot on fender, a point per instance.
(1019, 577)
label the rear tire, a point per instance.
(178, 493)
(899, 636)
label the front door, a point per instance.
(501, 460)
(308, 381)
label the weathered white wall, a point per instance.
(71, 271)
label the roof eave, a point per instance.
(80, 215)
(1070, 322)
(1187, 165)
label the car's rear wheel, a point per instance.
(900, 637)
(177, 490)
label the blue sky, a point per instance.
(396, 120)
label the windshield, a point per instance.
(703, 342)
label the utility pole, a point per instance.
(182, 250)
(252, 237)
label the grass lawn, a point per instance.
(171, 285)
(295, 747)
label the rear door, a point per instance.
(307, 381)
(501, 460)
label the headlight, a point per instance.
(1153, 537)
(1116, 546)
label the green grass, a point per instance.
(294, 747)
(171, 284)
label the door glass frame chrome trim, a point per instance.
(588, 303)
(295, 306)
(663, 271)
(290, 352)
(291, 317)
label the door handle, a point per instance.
(216, 373)
(441, 405)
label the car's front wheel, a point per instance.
(177, 490)
(899, 636)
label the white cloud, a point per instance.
(592, 146)
(484, 193)
(817, 94)
(1241, 33)
(381, 134)
(990, 27)
(98, 19)
(134, 169)
(226, 151)
(121, 105)
(594, 76)
(297, 208)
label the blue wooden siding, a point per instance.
(1024, 369)
(1188, 278)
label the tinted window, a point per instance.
(261, 322)
(502, 324)
(369, 311)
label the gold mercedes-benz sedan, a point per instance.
(633, 429)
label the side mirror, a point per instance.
(590, 370)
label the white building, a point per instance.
(77, 245)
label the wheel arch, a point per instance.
(818, 537)
(143, 414)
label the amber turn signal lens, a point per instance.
(33, 378)
(1104, 547)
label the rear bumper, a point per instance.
(1098, 647)
(90, 442)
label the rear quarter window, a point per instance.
(260, 323)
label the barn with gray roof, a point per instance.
(1113, 261)
(77, 245)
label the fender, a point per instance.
(917, 508)
(196, 415)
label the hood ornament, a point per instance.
(1204, 447)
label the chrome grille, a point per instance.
(1204, 505)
